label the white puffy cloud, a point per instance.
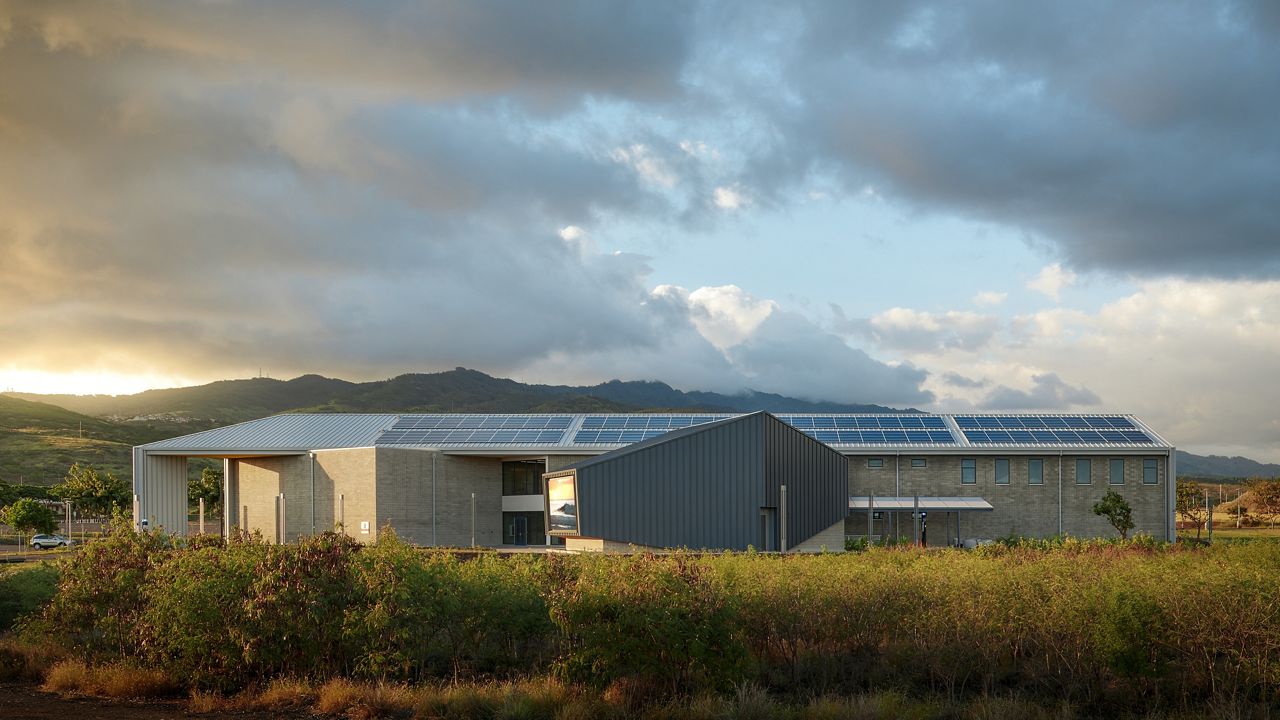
(989, 298)
(1052, 280)
(1194, 358)
(916, 331)
(728, 198)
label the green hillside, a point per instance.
(458, 390)
(38, 442)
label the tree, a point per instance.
(100, 495)
(1190, 504)
(1266, 498)
(207, 486)
(27, 516)
(1117, 512)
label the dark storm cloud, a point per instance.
(1048, 391)
(368, 188)
(1132, 137)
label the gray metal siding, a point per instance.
(701, 490)
(816, 476)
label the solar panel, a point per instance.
(873, 429)
(1051, 430)
(477, 429)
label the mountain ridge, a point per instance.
(40, 435)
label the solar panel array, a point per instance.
(833, 429)
(873, 429)
(1051, 430)
(907, 429)
(614, 429)
(467, 429)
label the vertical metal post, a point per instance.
(67, 506)
(137, 513)
(313, 493)
(284, 536)
(871, 516)
(782, 518)
(244, 518)
(1061, 531)
(342, 511)
(915, 520)
(433, 499)
(201, 523)
(1208, 510)
(473, 519)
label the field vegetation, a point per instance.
(1036, 629)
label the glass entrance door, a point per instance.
(521, 530)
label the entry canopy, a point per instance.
(927, 504)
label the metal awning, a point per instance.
(927, 504)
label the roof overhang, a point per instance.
(923, 504)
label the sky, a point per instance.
(953, 206)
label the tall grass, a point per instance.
(1104, 627)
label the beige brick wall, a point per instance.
(261, 481)
(1019, 507)
(346, 492)
(830, 540)
(559, 462)
(405, 496)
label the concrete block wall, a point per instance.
(1019, 507)
(560, 462)
(261, 480)
(346, 492)
(405, 496)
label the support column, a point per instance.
(160, 484)
(230, 496)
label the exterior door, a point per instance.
(521, 530)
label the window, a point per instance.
(1116, 476)
(968, 471)
(1035, 471)
(522, 478)
(917, 462)
(1150, 472)
(875, 463)
(1084, 471)
(1002, 471)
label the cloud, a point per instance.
(916, 331)
(1051, 281)
(1047, 392)
(1066, 122)
(729, 198)
(1191, 357)
(989, 298)
(958, 380)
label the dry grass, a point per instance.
(284, 694)
(202, 702)
(361, 701)
(121, 682)
(24, 661)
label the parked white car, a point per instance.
(44, 542)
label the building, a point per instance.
(459, 480)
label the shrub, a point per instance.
(663, 622)
(24, 590)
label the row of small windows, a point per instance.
(877, 463)
(1035, 470)
(1084, 471)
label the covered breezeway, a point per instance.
(919, 509)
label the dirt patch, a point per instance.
(23, 701)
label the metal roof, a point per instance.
(926, 504)
(595, 433)
(293, 432)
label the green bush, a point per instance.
(24, 589)
(1097, 624)
(663, 622)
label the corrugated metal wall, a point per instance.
(816, 476)
(705, 489)
(160, 482)
(702, 490)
